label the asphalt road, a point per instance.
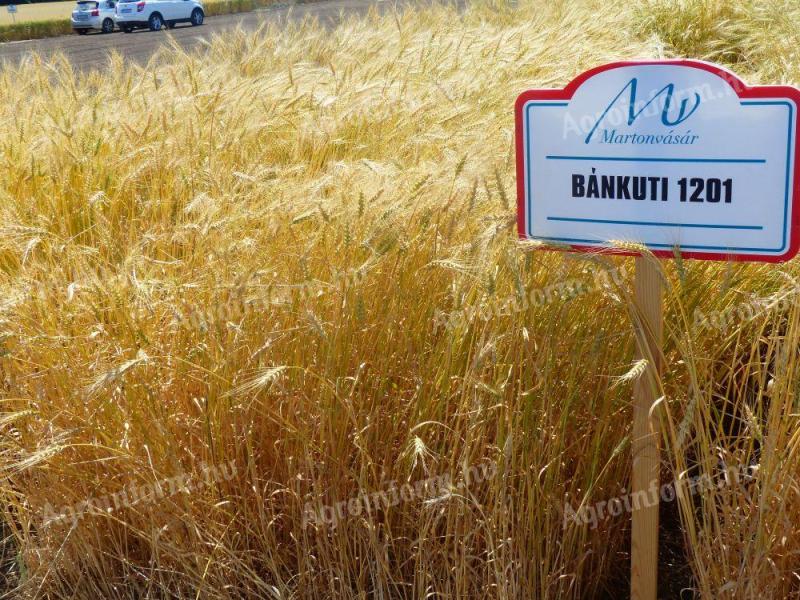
(90, 51)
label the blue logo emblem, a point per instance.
(668, 91)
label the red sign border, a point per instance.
(742, 91)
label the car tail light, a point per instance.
(96, 12)
(139, 6)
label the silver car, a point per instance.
(93, 14)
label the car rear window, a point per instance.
(84, 4)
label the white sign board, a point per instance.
(677, 155)
(12, 8)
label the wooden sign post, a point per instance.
(645, 439)
(679, 156)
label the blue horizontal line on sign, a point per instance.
(654, 224)
(647, 159)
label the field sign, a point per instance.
(678, 155)
(675, 154)
(12, 8)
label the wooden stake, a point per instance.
(645, 443)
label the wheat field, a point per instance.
(249, 289)
(41, 11)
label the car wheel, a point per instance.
(155, 22)
(81, 31)
(108, 26)
(197, 17)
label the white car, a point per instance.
(92, 14)
(155, 14)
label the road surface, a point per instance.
(90, 51)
